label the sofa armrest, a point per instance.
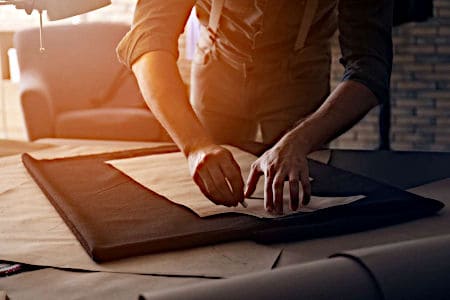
(36, 106)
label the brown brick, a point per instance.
(435, 94)
(443, 139)
(443, 104)
(416, 49)
(443, 12)
(440, 147)
(412, 102)
(442, 67)
(413, 120)
(414, 67)
(403, 129)
(444, 30)
(422, 30)
(443, 49)
(441, 3)
(366, 126)
(356, 145)
(427, 112)
(415, 138)
(416, 85)
(401, 40)
(396, 76)
(442, 122)
(402, 146)
(403, 111)
(405, 58)
(432, 76)
(371, 137)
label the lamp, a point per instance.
(58, 9)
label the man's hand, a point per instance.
(217, 174)
(347, 104)
(284, 161)
(212, 167)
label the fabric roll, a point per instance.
(418, 269)
(339, 278)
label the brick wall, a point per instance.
(420, 78)
(420, 88)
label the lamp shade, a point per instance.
(59, 9)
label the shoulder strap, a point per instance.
(214, 17)
(307, 19)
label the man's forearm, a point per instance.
(164, 92)
(211, 166)
(346, 105)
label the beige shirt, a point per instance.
(268, 29)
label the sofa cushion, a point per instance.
(130, 124)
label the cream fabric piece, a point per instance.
(168, 175)
(16, 175)
(11, 147)
(32, 232)
(323, 156)
(52, 284)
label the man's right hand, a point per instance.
(212, 167)
(217, 174)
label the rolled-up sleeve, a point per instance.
(157, 25)
(365, 37)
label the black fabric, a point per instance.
(403, 169)
(406, 11)
(114, 217)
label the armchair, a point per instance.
(78, 89)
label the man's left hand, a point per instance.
(284, 161)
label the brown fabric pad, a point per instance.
(114, 217)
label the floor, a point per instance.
(12, 125)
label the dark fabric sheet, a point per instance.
(403, 169)
(114, 217)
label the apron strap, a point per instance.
(214, 18)
(308, 17)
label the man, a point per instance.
(260, 64)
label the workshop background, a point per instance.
(420, 85)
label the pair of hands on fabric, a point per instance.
(219, 177)
(213, 167)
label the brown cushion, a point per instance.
(110, 123)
